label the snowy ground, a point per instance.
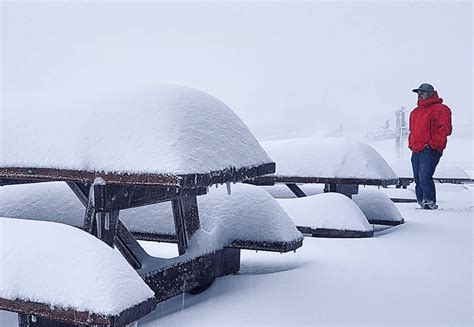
(417, 273)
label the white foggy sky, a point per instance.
(303, 64)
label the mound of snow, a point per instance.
(249, 213)
(327, 157)
(164, 130)
(65, 267)
(376, 205)
(328, 210)
(403, 169)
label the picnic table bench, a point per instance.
(60, 280)
(127, 151)
(218, 210)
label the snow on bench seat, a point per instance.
(66, 269)
(166, 130)
(328, 157)
(247, 218)
(377, 207)
(327, 215)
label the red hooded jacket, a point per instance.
(430, 125)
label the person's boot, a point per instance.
(430, 205)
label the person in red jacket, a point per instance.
(430, 125)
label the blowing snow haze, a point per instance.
(277, 65)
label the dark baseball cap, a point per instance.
(424, 87)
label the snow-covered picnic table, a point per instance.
(342, 165)
(339, 163)
(129, 150)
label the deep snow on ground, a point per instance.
(416, 273)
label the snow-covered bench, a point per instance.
(226, 216)
(374, 203)
(131, 149)
(327, 215)
(377, 207)
(53, 271)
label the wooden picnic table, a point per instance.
(340, 164)
(105, 194)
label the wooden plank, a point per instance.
(296, 190)
(186, 220)
(231, 174)
(399, 200)
(82, 176)
(346, 189)
(40, 314)
(117, 197)
(334, 233)
(8, 181)
(129, 247)
(236, 244)
(386, 222)
(273, 179)
(81, 190)
(186, 276)
(101, 224)
(403, 182)
(282, 247)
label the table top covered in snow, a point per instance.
(327, 160)
(167, 135)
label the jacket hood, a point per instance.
(430, 101)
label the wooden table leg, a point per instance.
(186, 219)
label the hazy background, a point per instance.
(281, 66)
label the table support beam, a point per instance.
(296, 190)
(186, 218)
(346, 189)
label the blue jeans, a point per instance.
(424, 164)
